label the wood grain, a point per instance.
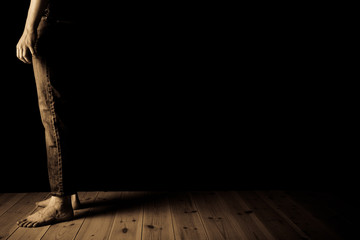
(7, 200)
(202, 215)
(98, 223)
(186, 220)
(213, 216)
(277, 226)
(128, 220)
(240, 213)
(24, 207)
(302, 220)
(157, 222)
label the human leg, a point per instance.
(53, 110)
(52, 101)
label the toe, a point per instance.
(22, 220)
(22, 224)
(33, 224)
(40, 204)
(28, 224)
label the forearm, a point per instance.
(36, 10)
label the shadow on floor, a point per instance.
(111, 203)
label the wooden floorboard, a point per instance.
(299, 218)
(339, 211)
(128, 220)
(200, 215)
(157, 222)
(7, 200)
(241, 214)
(186, 219)
(98, 224)
(272, 221)
(216, 222)
(19, 210)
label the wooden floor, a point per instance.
(178, 215)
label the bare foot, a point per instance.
(75, 202)
(58, 209)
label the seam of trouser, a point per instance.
(59, 183)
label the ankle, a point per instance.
(62, 201)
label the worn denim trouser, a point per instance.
(55, 70)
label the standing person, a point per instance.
(48, 42)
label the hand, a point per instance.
(25, 47)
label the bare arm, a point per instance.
(26, 43)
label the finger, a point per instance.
(18, 53)
(23, 56)
(32, 51)
(27, 56)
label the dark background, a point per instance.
(188, 96)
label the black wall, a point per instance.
(210, 99)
